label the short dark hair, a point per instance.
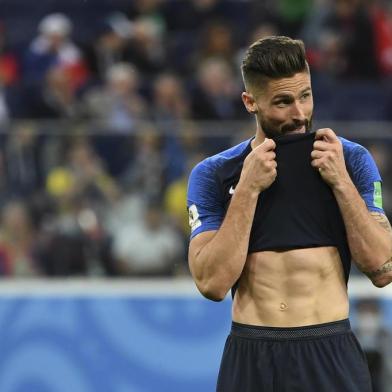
(273, 57)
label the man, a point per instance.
(320, 197)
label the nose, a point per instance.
(297, 112)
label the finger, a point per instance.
(273, 164)
(321, 145)
(326, 134)
(265, 156)
(270, 155)
(315, 154)
(316, 163)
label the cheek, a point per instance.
(309, 108)
(277, 117)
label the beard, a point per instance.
(271, 130)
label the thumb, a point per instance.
(266, 145)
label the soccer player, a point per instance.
(277, 219)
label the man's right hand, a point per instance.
(259, 170)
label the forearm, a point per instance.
(218, 264)
(370, 243)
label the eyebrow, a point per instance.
(280, 96)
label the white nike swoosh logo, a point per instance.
(231, 190)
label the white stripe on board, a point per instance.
(172, 287)
(87, 287)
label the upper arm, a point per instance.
(366, 177)
(205, 209)
(197, 244)
(204, 200)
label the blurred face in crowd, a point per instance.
(217, 40)
(216, 78)
(55, 40)
(15, 218)
(146, 6)
(110, 41)
(283, 105)
(169, 93)
(167, 87)
(122, 80)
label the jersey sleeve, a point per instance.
(366, 178)
(204, 200)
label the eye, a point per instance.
(305, 96)
(283, 103)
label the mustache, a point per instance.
(296, 124)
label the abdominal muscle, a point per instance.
(291, 288)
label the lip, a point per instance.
(298, 130)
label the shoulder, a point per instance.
(215, 163)
(364, 173)
(352, 149)
(357, 157)
(205, 185)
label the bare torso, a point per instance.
(291, 288)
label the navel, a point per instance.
(283, 306)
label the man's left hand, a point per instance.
(327, 157)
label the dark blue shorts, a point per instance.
(317, 358)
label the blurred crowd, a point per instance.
(106, 105)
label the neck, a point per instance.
(259, 138)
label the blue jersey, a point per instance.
(298, 210)
(214, 179)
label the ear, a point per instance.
(249, 102)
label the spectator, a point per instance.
(51, 47)
(75, 243)
(118, 103)
(9, 64)
(216, 41)
(56, 98)
(150, 247)
(17, 241)
(147, 49)
(109, 46)
(216, 96)
(170, 102)
(188, 16)
(146, 9)
(82, 176)
(382, 23)
(147, 45)
(175, 201)
(291, 15)
(10, 94)
(351, 22)
(23, 172)
(145, 173)
(171, 108)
